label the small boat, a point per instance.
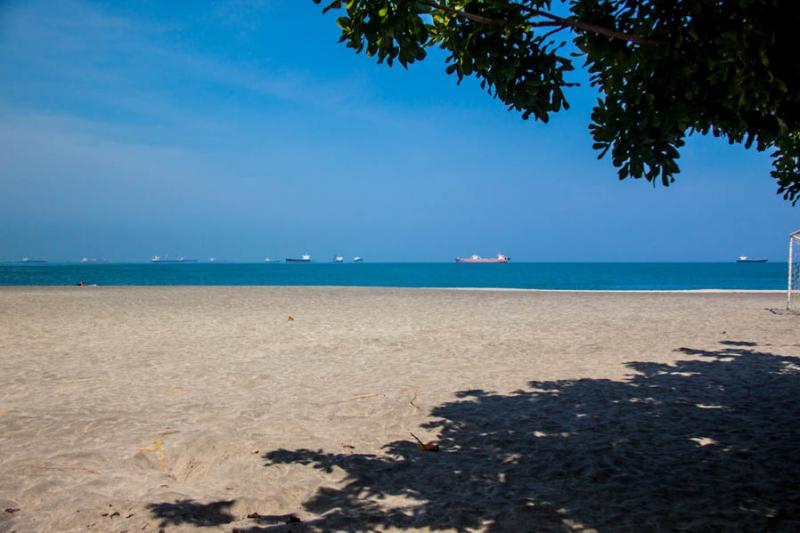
(305, 258)
(478, 259)
(338, 259)
(358, 259)
(745, 259)
(159, 259)
(29, 261)
(268, 260)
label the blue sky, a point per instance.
(242, 130)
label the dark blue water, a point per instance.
(577, 276)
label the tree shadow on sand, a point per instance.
(707, 444)
(192, 512)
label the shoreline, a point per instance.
(390, 287)
(622, 291)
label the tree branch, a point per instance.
(551, 32)
(471, 16)
(592, 28)
(553, 20)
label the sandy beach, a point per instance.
(140, 409)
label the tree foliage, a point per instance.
(663, 69)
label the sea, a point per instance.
(549, 276)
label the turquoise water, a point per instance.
(577, 276)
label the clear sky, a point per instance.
(242, 130)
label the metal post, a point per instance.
(789, 288)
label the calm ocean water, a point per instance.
(578, 276)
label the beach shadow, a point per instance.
(193, 513)
(705, 444)
(286, 523)
(738, 343)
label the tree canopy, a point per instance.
(663, 69)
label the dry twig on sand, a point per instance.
(431, 446)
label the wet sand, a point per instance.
(138, 408)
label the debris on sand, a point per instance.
(431, 446)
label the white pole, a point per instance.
(789, 288)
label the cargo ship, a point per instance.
(478, 259)
(305, 258)
(745, 259)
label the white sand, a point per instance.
(144, 408)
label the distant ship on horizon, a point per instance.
(159, 259)
(28, 260)
(338, 259)
(305, 258)
(745, 259)
(478, 259)
(358, 259)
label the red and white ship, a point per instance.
(478, 259)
